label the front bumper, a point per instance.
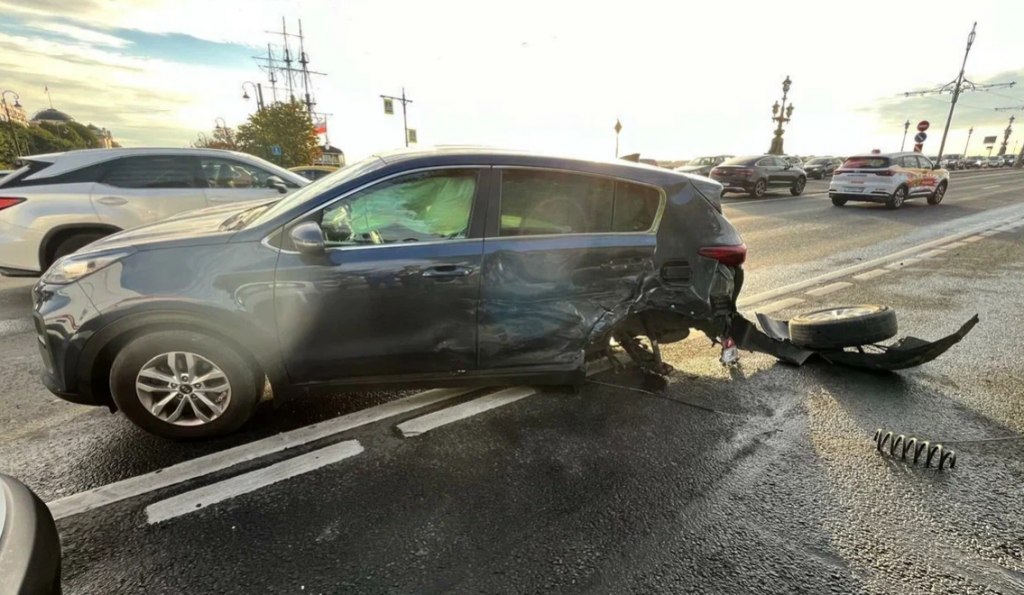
(64, 319)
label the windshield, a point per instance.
(702, 161)
(866, 163)
(819, 161)
(749, 160)
(318, 187)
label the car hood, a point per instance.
(195, 228)
(806, 167)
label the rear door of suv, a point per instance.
(563, 251)
(144, 189)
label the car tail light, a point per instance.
(887, 172)
(727, 255)
(6, 202)
(743, 172)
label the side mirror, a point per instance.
(788, 166)
(308, 238)
(30, 548)
(936, 166)
(276, 182)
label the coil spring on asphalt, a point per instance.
(902, 446)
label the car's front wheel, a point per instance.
(937, 196)
(184, 385)
(760, 188)
(798, 186)
(838, 201)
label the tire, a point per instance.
(847, 326)
(937, 196)
(798, 186)
(897, 199)
(760, 188)
(838, 202)
(75, 243)
(149, 350)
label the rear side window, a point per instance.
(556, 203)
(866, 162)
(152, 172)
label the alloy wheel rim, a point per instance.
(839, 313)
(183, 389)
(800, 185)
(759, 189)
(898, 198)
(940, 193)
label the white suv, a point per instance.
(890, 178)
(56, 204)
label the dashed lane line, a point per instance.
(205, 465)
(779, 305)
(432, 421)
(249, 482)
(930, 254)
(973, 239)
(992, 186)
(871, 274)
(902, 263)
(829, 289)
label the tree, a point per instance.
(89, 139)
(285, 125)
(8, 155)
(39, 140)
(223, 138)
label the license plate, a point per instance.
(853, 189)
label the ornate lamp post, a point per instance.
(906, 126)
(781, 114)
(10, 123)
(257, 90)
(1006, 136)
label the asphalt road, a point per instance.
(760, 478)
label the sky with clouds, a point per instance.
(684, 78)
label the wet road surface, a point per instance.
(761, 478)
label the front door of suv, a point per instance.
(396, 292)
(563, 251)
(144, 189)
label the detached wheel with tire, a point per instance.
(760, 188)
(896, 200)
(937, 196)
(184, 385)
(836, 201)
(846, 326)
(798, 186)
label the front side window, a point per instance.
(420, 207)
(228, 173)
(766, 162)
(556, 203)
(152, 172)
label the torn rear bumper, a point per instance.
(905, 353)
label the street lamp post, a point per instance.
(1006, 136)
(257, 90)
(10, 123)
(220, 122)
(906, 126)
(969, 133)
(781, 114)
(618, 129)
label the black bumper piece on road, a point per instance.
(878, 198)
(905, 353)
(9, 272)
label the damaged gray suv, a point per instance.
(449, 267)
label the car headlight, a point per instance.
(73, 267)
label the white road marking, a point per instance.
(991, 187)
(162, 478)
(930, 254)
(989, 234)
(249, 482)
(973, 239)
(903, 263)
(829, 289)
(954, 245)
(779, 305)
(871, 274)
(850, 270)
(431, 421)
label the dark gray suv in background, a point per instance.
(756, 174)
(431, 268)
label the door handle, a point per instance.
(112, 201)
(448, 270)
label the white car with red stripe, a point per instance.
(888, 178)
